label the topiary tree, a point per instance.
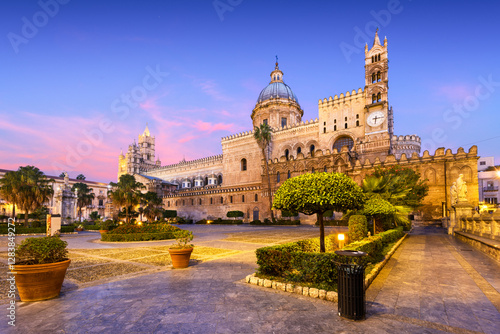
(358, 228)
(316, 193)
(377, 208)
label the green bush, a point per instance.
(358, 228)
(41, 250)
(301, 260)
(169, 213)
(180, 220)
(286, 213)
(337, 222)
(67, 229)
(92, 227)
(137, 236)
(146, 228)
(234, 214)
(278, 222)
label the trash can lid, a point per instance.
(350, 253)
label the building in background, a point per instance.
(353, 134)
(488, 182)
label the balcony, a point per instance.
(489, 189)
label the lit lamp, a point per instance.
(341, 237)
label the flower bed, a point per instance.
(141, 232)
(301, 261)
(220, 221)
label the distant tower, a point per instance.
(140, 157)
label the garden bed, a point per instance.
(279, 222)
(301, 263)
(220, 221)
(146, 232)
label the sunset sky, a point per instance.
(81, 79)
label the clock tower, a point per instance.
(377, 112)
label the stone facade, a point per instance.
(353, 134)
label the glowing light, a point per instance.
(209, 221)
(139, 223)
(340, 236)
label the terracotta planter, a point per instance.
(103, 231)
(180, 257)
(79, 229)
(40, 281)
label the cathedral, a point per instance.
(353, 134)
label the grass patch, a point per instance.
(271, 237)
(90, 274)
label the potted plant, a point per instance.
(180, 253)
(80, 228)
(105, 225)
(40, 268)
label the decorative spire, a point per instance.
(376, 40)
(146, 131)
(276, 67)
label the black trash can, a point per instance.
(351, 284)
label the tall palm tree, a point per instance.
(10, 186)
(126, 193)
(85, 196)
(33, 190)
(152, 205)
(263, 136)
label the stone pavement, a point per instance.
(432, 284)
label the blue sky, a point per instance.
(193, 69)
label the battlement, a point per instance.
(211, 159)
(342, 98)
(405, 139)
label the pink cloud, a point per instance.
(454, 92)
(187, 138)
(210, 127)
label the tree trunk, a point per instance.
(269, 186)
(14, 212)
(321, 233)
(374, 226)
(26, 214)
(126, 215)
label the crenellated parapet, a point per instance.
(191, 163)
(342, 99)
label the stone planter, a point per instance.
(180, 257)
(40, 281)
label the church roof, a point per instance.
(277, 89)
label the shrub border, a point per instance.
(319, 293)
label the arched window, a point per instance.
(206, 181)
(242, 198)
(243, 164)
(312, 170)
(231, 199)
(220, 179)
(287, 154)
(278, 177)
(378, 76)
(168, 203)
(374, 98)
(379, 97)
(221, 200)
(324, 169)
(345, 126)
(183, 202)
(299, 149)
(373, 77)
(199, 201)
(211, 200)
(357, 123)
(334, 128)
(379, 57)
(343, 141)
(192, 201)
(357, 116)
(311, 149)
(289, 175)
(256, 197)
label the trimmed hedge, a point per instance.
(278, 222)
(221, 221)
(234, 214)
(138, 236)
(145, 228)
(358, 228)
(169, 213)
(30, 230)
(300, 261)
(92, 227)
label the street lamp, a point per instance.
(341, 237)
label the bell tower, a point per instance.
(378, 113)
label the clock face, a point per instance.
(376, 118)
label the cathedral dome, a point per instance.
(277, 90)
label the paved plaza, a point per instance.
(432, 284)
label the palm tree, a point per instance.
(85, 196)
(29, 189)
(263, 136)
(152, 204)
(10, 186)
(126, 193)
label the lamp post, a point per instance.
(341, 237)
